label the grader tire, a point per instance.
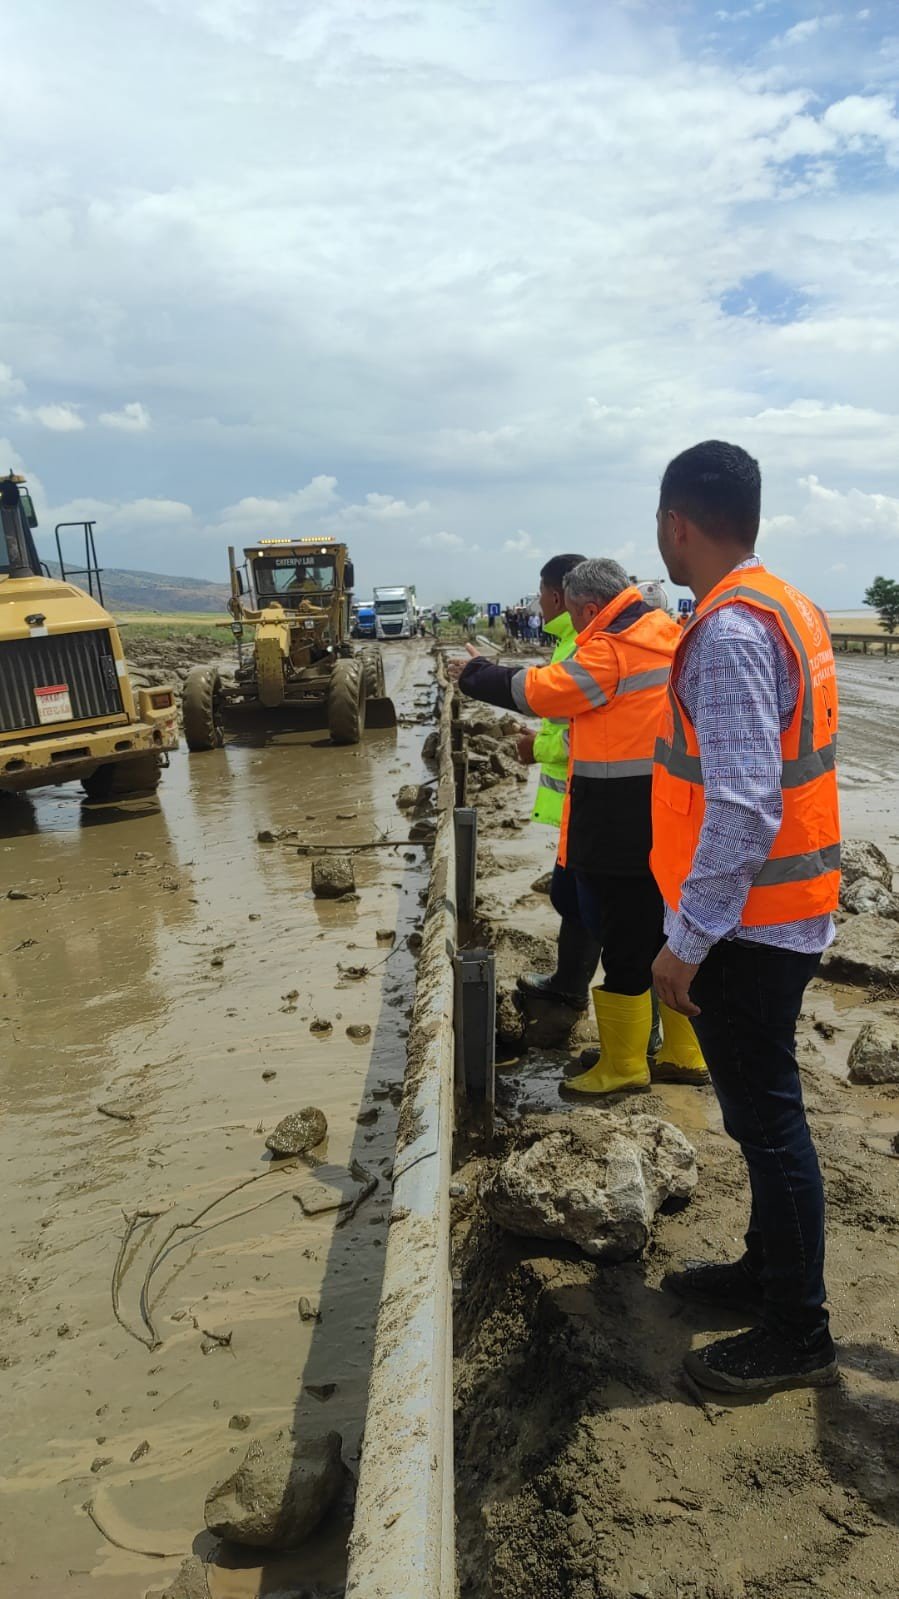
(201, 708)
(116, 779)
(373, 667)
(346, 702)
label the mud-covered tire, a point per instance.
(116, 779)
(373, 667)
(346, 702)
(202, 709)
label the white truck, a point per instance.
(396, 612)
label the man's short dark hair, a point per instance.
(557, 568)
(719, 487)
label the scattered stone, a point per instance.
(320, 1195)
(320, 1027)
(254, 916)
(415, 796)
(190, 1583)
(291, 995)
(501, 765)
(366, 1118)
(510, 1022)
(215, 1338)
(307, 1310)
(296, 1133)
(333, 876)
(320, 1390)
(279, 1493)
(217, 960)
(386, 935)
(825, 1029)
(874, 1057)
(860, 858)
(141, 1450)
(542, 885)
(430, 747)
(239, 1422)
(274, 835)
(63, 1330)
(867, 895)
(593, 1178)
(18, 893)
(866, 952)
(100, 1462)
(358, 1031)
(414, 943)
(483, 744)
(267, 1076)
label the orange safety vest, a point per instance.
(801, 877)
(613, 689)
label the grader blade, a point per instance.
(380, 712)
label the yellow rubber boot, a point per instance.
(624, 1021)
(680, 1058)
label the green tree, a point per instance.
(884, 596)
(461, 610)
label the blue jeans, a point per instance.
(751, 996)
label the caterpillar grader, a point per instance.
(296, 596)
(68, 709)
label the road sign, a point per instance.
(493, 609)
(686, 607)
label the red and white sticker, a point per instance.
(53, 703)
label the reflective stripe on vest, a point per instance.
(585, 681)
(557, 785)
(795, 883)
(606, 769)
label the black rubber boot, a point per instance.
(576, 961)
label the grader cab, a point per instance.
(295, 598)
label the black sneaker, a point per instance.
(758, 1362)
(727, 1284)
(536, 986)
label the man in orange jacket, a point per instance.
(746, 851)
(613, 690)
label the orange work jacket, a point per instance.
(801, 877)
(613, 690)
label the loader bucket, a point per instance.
(380, 712)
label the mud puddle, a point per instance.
(585, 1469)
(168, 966)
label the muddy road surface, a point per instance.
(160, 961)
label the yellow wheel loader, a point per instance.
(297, 598)
(67, 707)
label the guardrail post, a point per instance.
(474, 1025)
(465, 822)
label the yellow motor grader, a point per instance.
(67, 706)
(296, 596)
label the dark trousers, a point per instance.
(750, 997)
(624, 914)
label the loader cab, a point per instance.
(290, 571)
(18, 554)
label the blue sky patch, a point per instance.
(766, 297)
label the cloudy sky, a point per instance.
(452, 278)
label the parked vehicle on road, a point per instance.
(396, 612)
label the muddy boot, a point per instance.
(624, 1021)
(590, 1057)
(576, 961)
(679, 1057)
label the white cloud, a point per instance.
(522, 544)
(442, 541)
(801, 31)
(834, 514)
(133, 418)
(59, 418)
(9, 383)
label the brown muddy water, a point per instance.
(168, 965)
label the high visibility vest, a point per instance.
(551, 743)
(801, 877)
(613, 689)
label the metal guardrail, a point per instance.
(842, 641)
(403, 1539)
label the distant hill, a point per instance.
(153, 591)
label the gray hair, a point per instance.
(600, 581)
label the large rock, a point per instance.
(190, 1583)
(280, 1492)
(860, 858)
(874, 1057)
(296, 1133)
(333, 876)
(866, 951)
(594, 1178)
(868, 896)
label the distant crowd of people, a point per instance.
(525, 622)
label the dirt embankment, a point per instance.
(586, 1467)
